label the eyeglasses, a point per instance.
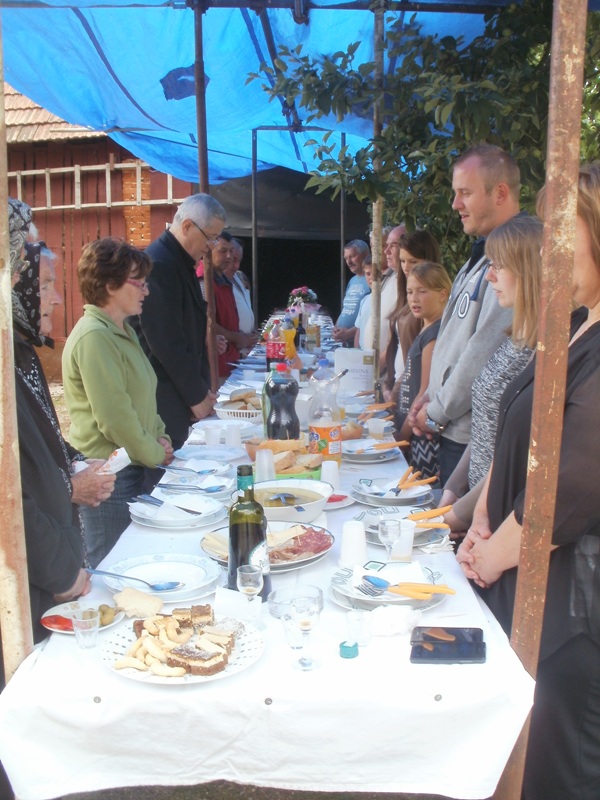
(141, 285)
(495, 267)
(208, 238)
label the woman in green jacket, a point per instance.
(110, 386)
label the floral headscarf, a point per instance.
(19, 219)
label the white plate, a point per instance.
(245, 426)
(196, 572)
(280, 566)
(220, 468)
(217, 453)
(347, 501)
(345, 602)
(404, 496)
(343, 585)
(374, 501)
(193, 523)
(248, 649)
(66, 609)
(422, 537)
(372, 457)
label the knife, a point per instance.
(154, 501)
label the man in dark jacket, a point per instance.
(172, 325)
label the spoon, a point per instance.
(284, 497)
(174, 488)
(163, 586)
(188, 469)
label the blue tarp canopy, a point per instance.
(127, 68)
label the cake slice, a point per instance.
(183, 617)
(197, 662)
(202, 615)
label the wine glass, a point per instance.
(389, 532)
(304, 615)
(250, 582)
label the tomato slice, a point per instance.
(57, 623)
(337, 498)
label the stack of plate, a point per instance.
(166, 517)
(350, 447)
(347, 595)
(200, 575)
(369, 492)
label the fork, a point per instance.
(371, 591)
(173, 488)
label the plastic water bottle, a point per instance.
(281, 390)
(324, 419)
(275, 345)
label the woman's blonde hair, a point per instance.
(433, 276)
(516, 246)
(588, 203)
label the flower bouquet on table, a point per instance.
(302, 300)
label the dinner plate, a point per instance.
(347, 501)
(196, 572)
(217, 453)
(248, 649)
(341, 583)
(349, 604)
(189, 523)
(278, 566)
(66, 609)
(244, 425)
(373, 501)
(371, 457)
(422, 537)
(369, 488)
(220, 468)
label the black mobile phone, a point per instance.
(448, 653)
(445, 635)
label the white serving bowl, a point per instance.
(304, 512)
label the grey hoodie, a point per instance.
(474, 325)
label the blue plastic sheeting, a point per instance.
(126, 68)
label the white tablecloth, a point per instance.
(375, 723)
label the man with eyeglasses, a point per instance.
(486, 184)
(172, 325)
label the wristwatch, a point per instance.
(434, 426)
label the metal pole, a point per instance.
(343, 236)
(378, 32)
(15, 613)
(566, 80)
(199, 76)
(255, 223)
(200, 80)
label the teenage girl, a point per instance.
(427, 290)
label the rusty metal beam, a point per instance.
(562, 166)
(15, 614)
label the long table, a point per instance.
(374, 723)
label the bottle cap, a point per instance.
(281, 367)
(348, 649)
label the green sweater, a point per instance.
(110, 390)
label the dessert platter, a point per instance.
(187, 646)
(290, 546)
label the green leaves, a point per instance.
(440, 97)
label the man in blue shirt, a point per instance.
(355, 253)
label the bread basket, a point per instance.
(253, 415)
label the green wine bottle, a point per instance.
(247, 532)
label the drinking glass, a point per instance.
(304, 615)
(389, 533)
(250, 582)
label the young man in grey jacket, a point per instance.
(486, 184)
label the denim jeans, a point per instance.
(103, 525)
(450, 454)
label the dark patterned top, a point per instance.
(507, 362)
(410, 382)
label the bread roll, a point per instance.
(282, 445)
(284, 460)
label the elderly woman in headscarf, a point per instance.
(53, 533)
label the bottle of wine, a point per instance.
(300, 340)
(247, 532)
